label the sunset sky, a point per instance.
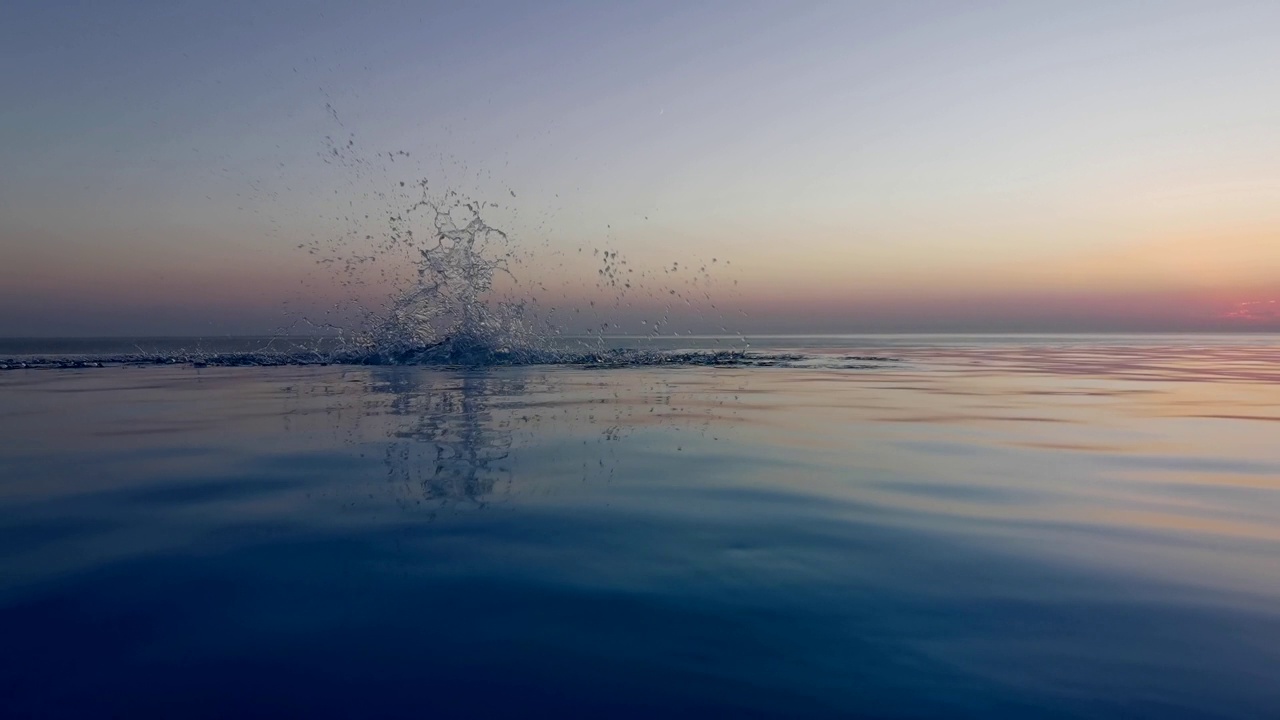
(852, 166)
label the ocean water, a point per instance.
(1054, 526)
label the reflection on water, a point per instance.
(453, 447)
(1059, 528)
(1247, 360)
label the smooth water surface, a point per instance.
(998, 527)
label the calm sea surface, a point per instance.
(1083, 526)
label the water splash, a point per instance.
(452, 295)
(451, 314)
(450, 309)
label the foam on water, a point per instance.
(454, 353)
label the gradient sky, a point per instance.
(888, 166)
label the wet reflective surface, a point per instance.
(1055, 527)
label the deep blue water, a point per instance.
(989, 527)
